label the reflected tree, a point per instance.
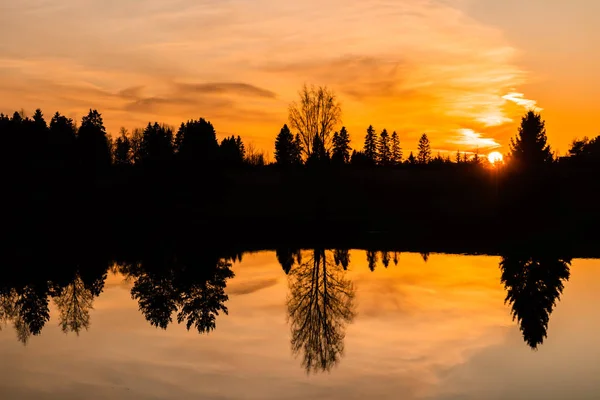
(27, 308)
(320, 304)
(396, 257)
(533, 286)
(286, 258)
(385, 258)
(372, 259)
(197, 298)
(156, 297)
(202, 300)
(74, 304)
(342, 257)
(425, 256)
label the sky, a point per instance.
(462, 71)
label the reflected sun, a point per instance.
(495, 157)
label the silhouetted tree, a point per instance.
(396, 149)
(63, 141)
(384, 151)
(157, 144)
(411, 159)
(370, 148)
(287, 152)
(425, 256)
(341, 147)
(529, 147)
(122, 151)
(585, 150)
(424, 155)
(458, 160)
(232, 151)
(315, 115)
(92, 143)
(319, 155)
(533, 286)
(396, 256)
(196, 141)
(320, 304)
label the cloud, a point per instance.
(251, 286)
(519, 99)
(470, 138)
(233, 88)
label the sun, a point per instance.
(495, 157)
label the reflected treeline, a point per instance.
(186, 285)
(533, 285)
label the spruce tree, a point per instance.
(396, 149)
(529, 148)
(384, 152)
(285, 152)
(424, 155)
(341, 147)
(370, 148)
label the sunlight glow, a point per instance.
(495, 157)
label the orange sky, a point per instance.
(462, 71)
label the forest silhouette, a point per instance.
(69, 179)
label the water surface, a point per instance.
(338, 325)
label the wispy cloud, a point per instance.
(473, 140)
(519, 99)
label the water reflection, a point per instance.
(533, 285)
(320, 305)
(189, 287)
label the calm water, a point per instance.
(424, 327)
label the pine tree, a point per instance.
(341, 147)
(411, 159)
(424, 155)
(196, 141)
(92, 143)
(529, 147)
(458, 160)
(370, 148)
(285, 152)
(396, 149)
(384, 152)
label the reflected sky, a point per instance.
(422, 330)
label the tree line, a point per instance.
(310, 139)
(190, 287)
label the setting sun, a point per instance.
(495, 157)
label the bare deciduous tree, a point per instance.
(316, 114)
